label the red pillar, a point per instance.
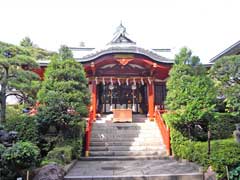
(150, 101)
(94, 99)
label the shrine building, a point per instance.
(123, 75)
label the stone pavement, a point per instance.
(164, 169)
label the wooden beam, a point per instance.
(94, 99)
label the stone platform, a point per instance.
(161, 169)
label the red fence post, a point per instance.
(165, 131)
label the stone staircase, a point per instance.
(126, 139)
(123, 151)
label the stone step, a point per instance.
(126, 143)
(126, 139)
(125, 135)
(128, 131)
(127, 148)
(127, 153)
(124, 158)
(125, 125)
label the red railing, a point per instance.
(88, 133)
(165, 131)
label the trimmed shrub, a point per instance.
(223, 152)
(62, 155)
(21, 155)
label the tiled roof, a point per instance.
(124, 48)
(232, 50)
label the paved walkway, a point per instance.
(134, 168)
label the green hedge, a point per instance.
(223, 125)
(223, 152)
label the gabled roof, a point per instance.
(120, 36)
(119, 44)
(232, 50)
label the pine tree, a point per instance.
(16, 77)
(64, 96)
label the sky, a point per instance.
(207, 27)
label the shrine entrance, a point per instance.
(122, 96)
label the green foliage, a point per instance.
(65, 53)
(15, 74)
(223, 152)
(26, 42)
(185, 57)
(5, 172)
(25, 125)
(64, 98)
(13, 112)
(235, 173)
(223, 125)
(226, 73)
(64, 95)
(62, 155)
(76, 144)
(22, 155)
(2, 149)
(191, 94)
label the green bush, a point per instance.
(77, 147)
(223, 152)
(13, 112)
(62, 155)
(21, 155)
(223, 125)
(26, 127)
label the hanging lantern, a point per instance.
(134, 81)
(111, 81)
(111, 87)
(103, 81)
(134, 108)
(134, 87)
(142, 81)
(119, 83)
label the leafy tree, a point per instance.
(64, 95)
(16, 77)
(26, 42)
(65, 53)
(34, 50)
(226, 73)
(185, 57)
(191, 93)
